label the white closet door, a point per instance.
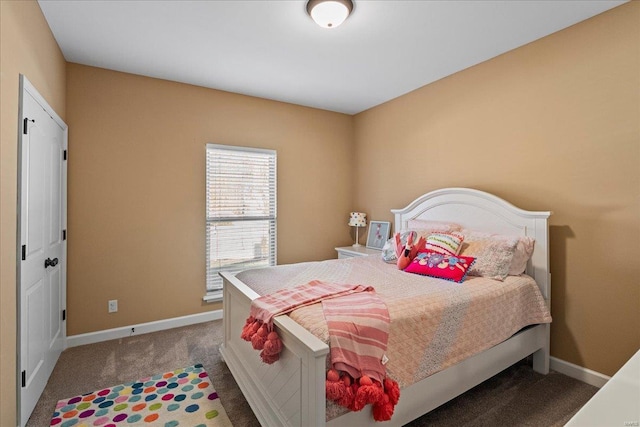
(42, 248)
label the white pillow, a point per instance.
(493, 253)
(524, 250)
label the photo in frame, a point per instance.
(378, 234)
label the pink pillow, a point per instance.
(445, 243)
(434, 264)
(432, 226)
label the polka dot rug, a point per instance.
(184, 398)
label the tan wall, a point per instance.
(137, 189)
(26, 47)
(554, 125)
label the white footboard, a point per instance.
(287, 392)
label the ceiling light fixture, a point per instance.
(329, 13)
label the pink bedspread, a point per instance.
(434, 323)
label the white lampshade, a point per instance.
(329, 13)
(357, 219)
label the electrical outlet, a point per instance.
(113, 305)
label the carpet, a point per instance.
(184, 397)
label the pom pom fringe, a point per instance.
(356, 394)
(261, 338)
(392, 389)
(273, 344)
(383, 410)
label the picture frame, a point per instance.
(378, 234)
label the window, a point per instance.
(241, 212)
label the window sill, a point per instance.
(213, 297)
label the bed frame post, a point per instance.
(538, 268)
(541, 357)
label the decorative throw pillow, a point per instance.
(524, 250)
(493, 253)
(445, 243)
(434, 264)
(389, 248)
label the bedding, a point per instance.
(447, 267)
(434, 323)
(420, 225)
(445, 243)
(358, 333)
(258, 328)
(422, 228)
(497, 255)
(494, 253)
(522, 254)
(358, 336)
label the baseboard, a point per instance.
(578, 372)
(142, 328)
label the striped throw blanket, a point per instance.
(358, 334)
(358, 322)
(358, 326)
(259, 326)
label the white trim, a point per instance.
(142, 328)
(29, 87)
(240, 148)
(578, 372)
(213, 296)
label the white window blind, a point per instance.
(241, 211)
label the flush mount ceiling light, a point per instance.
(329, 13)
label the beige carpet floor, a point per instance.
(515, 397)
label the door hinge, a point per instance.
(24, 378)
(64, 155)
(64, 314)
(64, 234)
(24, 252)
(25, 125)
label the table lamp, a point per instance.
(357, 220)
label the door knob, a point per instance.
(50, 262)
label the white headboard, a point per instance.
(482, 211)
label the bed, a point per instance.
(292, 390)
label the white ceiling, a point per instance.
(273, 50)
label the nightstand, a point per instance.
(351, 252)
